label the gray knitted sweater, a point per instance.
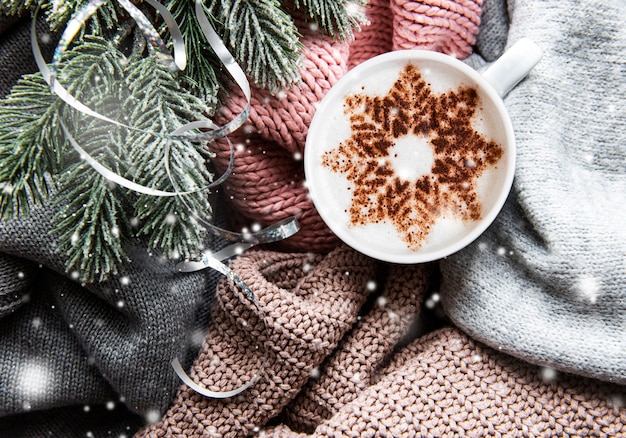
(547, 282)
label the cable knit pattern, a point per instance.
(440, 25)
(376, 37)
(268, 180)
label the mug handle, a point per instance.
(513, 66)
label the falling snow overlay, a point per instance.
(520, 334)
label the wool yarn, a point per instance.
(547, 281)
(101, 330)
(267, 183)
(447, 385)
(305, 304)
(15, 32)
(440, 25)
(359, 358)
(375, 37)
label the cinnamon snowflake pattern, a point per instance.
(460, 156)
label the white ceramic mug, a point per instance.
(411, 155)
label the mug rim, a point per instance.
(335, 97)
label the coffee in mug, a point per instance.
(411, 155)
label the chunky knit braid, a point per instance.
(333, 366)
(305, 305)
(268, 181)
(376, 37)
(441, 25)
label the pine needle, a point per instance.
(109, 69)
(160, 105)
(30, 146)
(264, 40)
(337, 19)
(92, 224)
(204, 75)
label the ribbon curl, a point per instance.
(208, 131)
(178, 61)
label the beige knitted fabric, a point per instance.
(446, 385)
(338, 349)
(356, 362)
(306, 303)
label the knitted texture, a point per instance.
(447, 385)
(267, 183)
(66, 354)
(268, 180)
(14, 44)
(63, 345)
(15, 289)
(88, 340)
(441, 25)
(339, 356)
(304, 306)
(358, 359)
(547, 281)
(376, 37)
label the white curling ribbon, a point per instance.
(231, 65)
(49, 75)
(222, 51)
(152, 36)
(72, 28)
(156, 43)
(180, 55)
(280, 230)
(211, 262)
(205, 391)
(277, 231)
(226, 253)
(131, 185)
(231, 162)
(214, 261)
